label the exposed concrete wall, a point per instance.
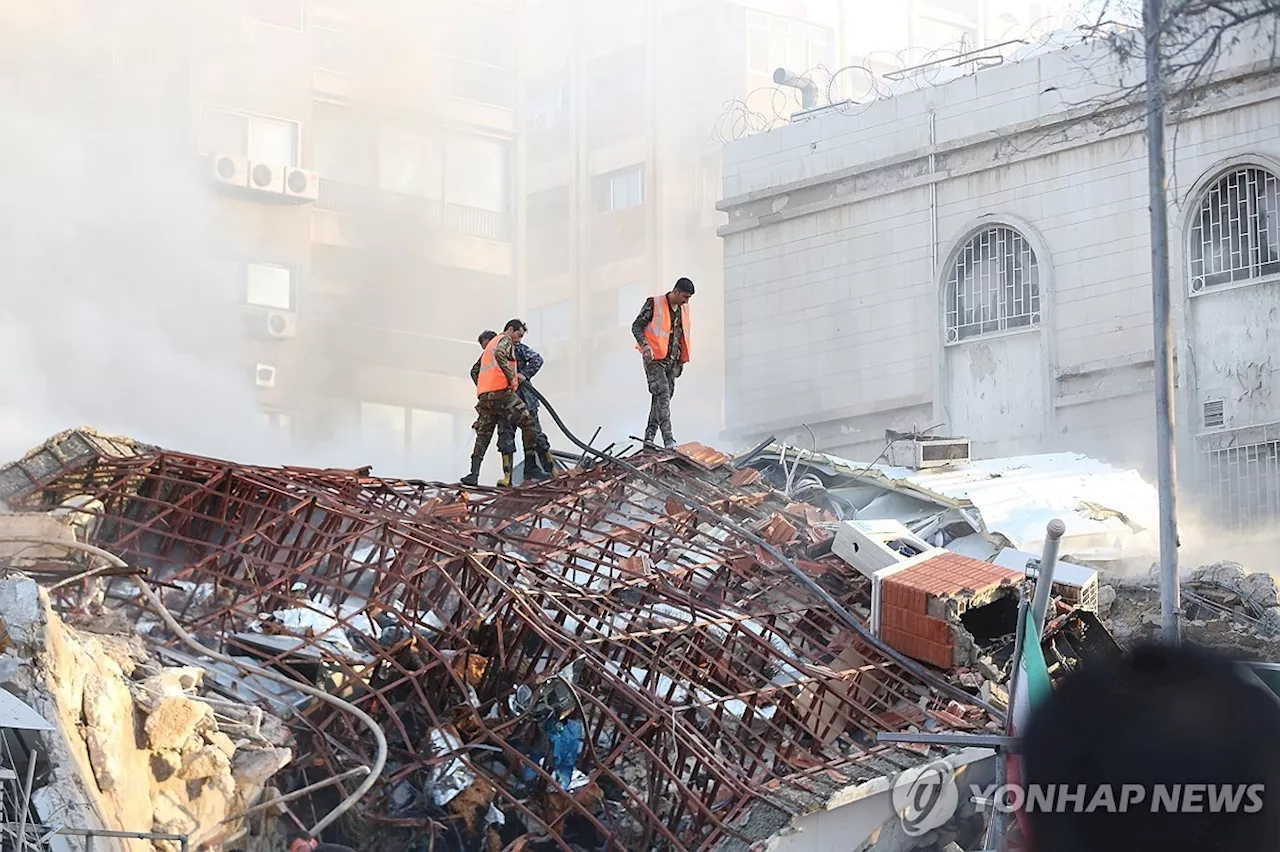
(835, 297)
(864, 817)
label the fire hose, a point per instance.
(692, 503)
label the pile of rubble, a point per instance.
(134, 743)
(1224, 606)
(611, 660)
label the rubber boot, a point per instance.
(508, 464)
(472, 479)
(532, 471)
(548, 462)
(668, 442)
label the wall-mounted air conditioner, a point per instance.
(282, 325)
(301, 185)
(229, 170)
(922, 453)
(264, 376)
(266, 178)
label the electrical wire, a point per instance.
(822, 594)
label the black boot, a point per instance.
(472, 479)
(533, 472)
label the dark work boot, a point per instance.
(548, 462)
(668, 442)
(472, 479)
(533, 472)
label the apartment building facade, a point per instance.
(357, 166)
(622, 173)
(972, 257)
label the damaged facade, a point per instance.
(976, 254)
(591, 663)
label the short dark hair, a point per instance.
(486, 336)
(1157, 716)
(515, 325)
(684, 285)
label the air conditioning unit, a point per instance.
(266, 178)
(282, 325)
(229, 170)
(264, 376)
(921, 453)
(1075, 584)
(301, 184)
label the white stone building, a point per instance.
(976, 254)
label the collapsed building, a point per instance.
(610, 660)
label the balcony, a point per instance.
(347, 198)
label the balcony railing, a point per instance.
(351, 198)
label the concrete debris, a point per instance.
(594, 662)
(1224, 605)
(134, 747)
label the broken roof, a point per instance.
(1108, 511)
(702, 673)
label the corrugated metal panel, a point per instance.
(1016, 497)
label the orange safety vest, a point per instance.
(491, 377)
(658, 332)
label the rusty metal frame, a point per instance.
(702, 672)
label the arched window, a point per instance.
(1235, 235)
(993, 285)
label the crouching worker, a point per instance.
(496, 383)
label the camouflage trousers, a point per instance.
(661, 378)
(507, 430)
(504, 407)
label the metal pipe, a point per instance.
(26, 799)
(1170, 606)
(1044, 574)
(159, 608)
(297, 794)
(792, 80)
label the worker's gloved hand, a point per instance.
(646, 353)
(475, 425)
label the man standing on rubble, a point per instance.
(528, 363)
(662, 336)
(497, 381)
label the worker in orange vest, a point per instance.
(662, 337)
(497, 400)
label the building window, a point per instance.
(550, 324)
(545, 104)
(993, 286)
(279, 422)
(269, 286)
(775, 42)
(287, 14)
(260, 139)
(430, 433)
(385, 425)
(620, 190)
(1235, 237)
(1244, 487)
(618, 74)
(470, 171)
(630, 300)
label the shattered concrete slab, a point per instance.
(133, 746)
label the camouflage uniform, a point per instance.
(503, 406)
(660, 375)
(528, 363)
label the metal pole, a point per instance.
(26, 799)
(1152, 19)
(996, 827)
(1044, 574)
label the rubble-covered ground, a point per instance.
(1224, 606)
(135, 743)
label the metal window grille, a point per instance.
(1236, 235)
(993, 286)
(1244, 486)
